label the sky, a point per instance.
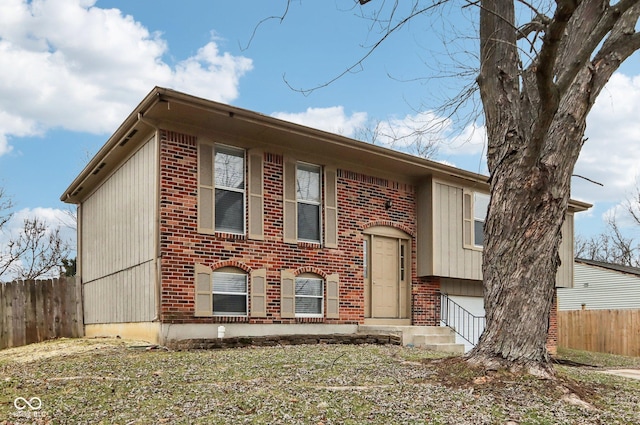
(72, 70)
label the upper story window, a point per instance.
(223, 190)
(474, 207)
(308, 197)
(229, 184)
(480, 206)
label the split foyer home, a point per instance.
(196, 214)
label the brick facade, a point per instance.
(361, 204)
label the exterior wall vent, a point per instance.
(98, 168)
(129, 136)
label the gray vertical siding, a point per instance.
(600, 289)
(450, 258)
(118, 234)
(440, 240)
(564, 276)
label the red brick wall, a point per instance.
(425, 309)
(361, 204)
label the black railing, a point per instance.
(465, 324)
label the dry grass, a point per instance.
(115, 382)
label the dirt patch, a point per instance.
(61, 347)
(455, 372)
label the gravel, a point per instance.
(109, 381)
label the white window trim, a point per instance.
(321, 297)
(477, 219)
(246, 295)
(232, 189)
(308, 202)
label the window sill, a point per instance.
(230, 236)
(318, 319)
(474, 248)
(312, 245)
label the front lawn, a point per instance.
(109, 381)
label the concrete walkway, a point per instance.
(627, 373)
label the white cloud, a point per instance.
(53, 218)
(70, 64)
(332, 119)
(611, 155)
(413, 132)
(409, 133)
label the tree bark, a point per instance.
(535, 98)
(535, 119)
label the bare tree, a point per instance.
(34, 251)
(5, 207)
(632, 204)
(418, 138)
(610, 246)
(538, 80)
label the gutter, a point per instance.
(121, 136)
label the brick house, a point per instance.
(196, 214)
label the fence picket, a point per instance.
(37, 310)
(606, 331)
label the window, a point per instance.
(309, 297)
(224, 292)
(310, 203)
(480, 206)
(308, 199)
(229, 294)
(365, 258)
(403, 260)
(229, 186)
(474, 213)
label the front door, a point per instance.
(385, 277)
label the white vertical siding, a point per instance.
(600, 289)
(118, 222)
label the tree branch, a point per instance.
(587, 37)
(255, 29)
(359, 63)
(622, 42)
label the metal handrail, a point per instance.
(462, 321)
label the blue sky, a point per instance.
(72, 70)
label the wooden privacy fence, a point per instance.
(606, 331)
(37, 310)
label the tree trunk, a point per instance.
(520, 261)
(535, 134)
(537, 83)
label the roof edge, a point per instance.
(158, 94)
(113, 141)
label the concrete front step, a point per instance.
(422, 339)
(445, 348)
(434, 338)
